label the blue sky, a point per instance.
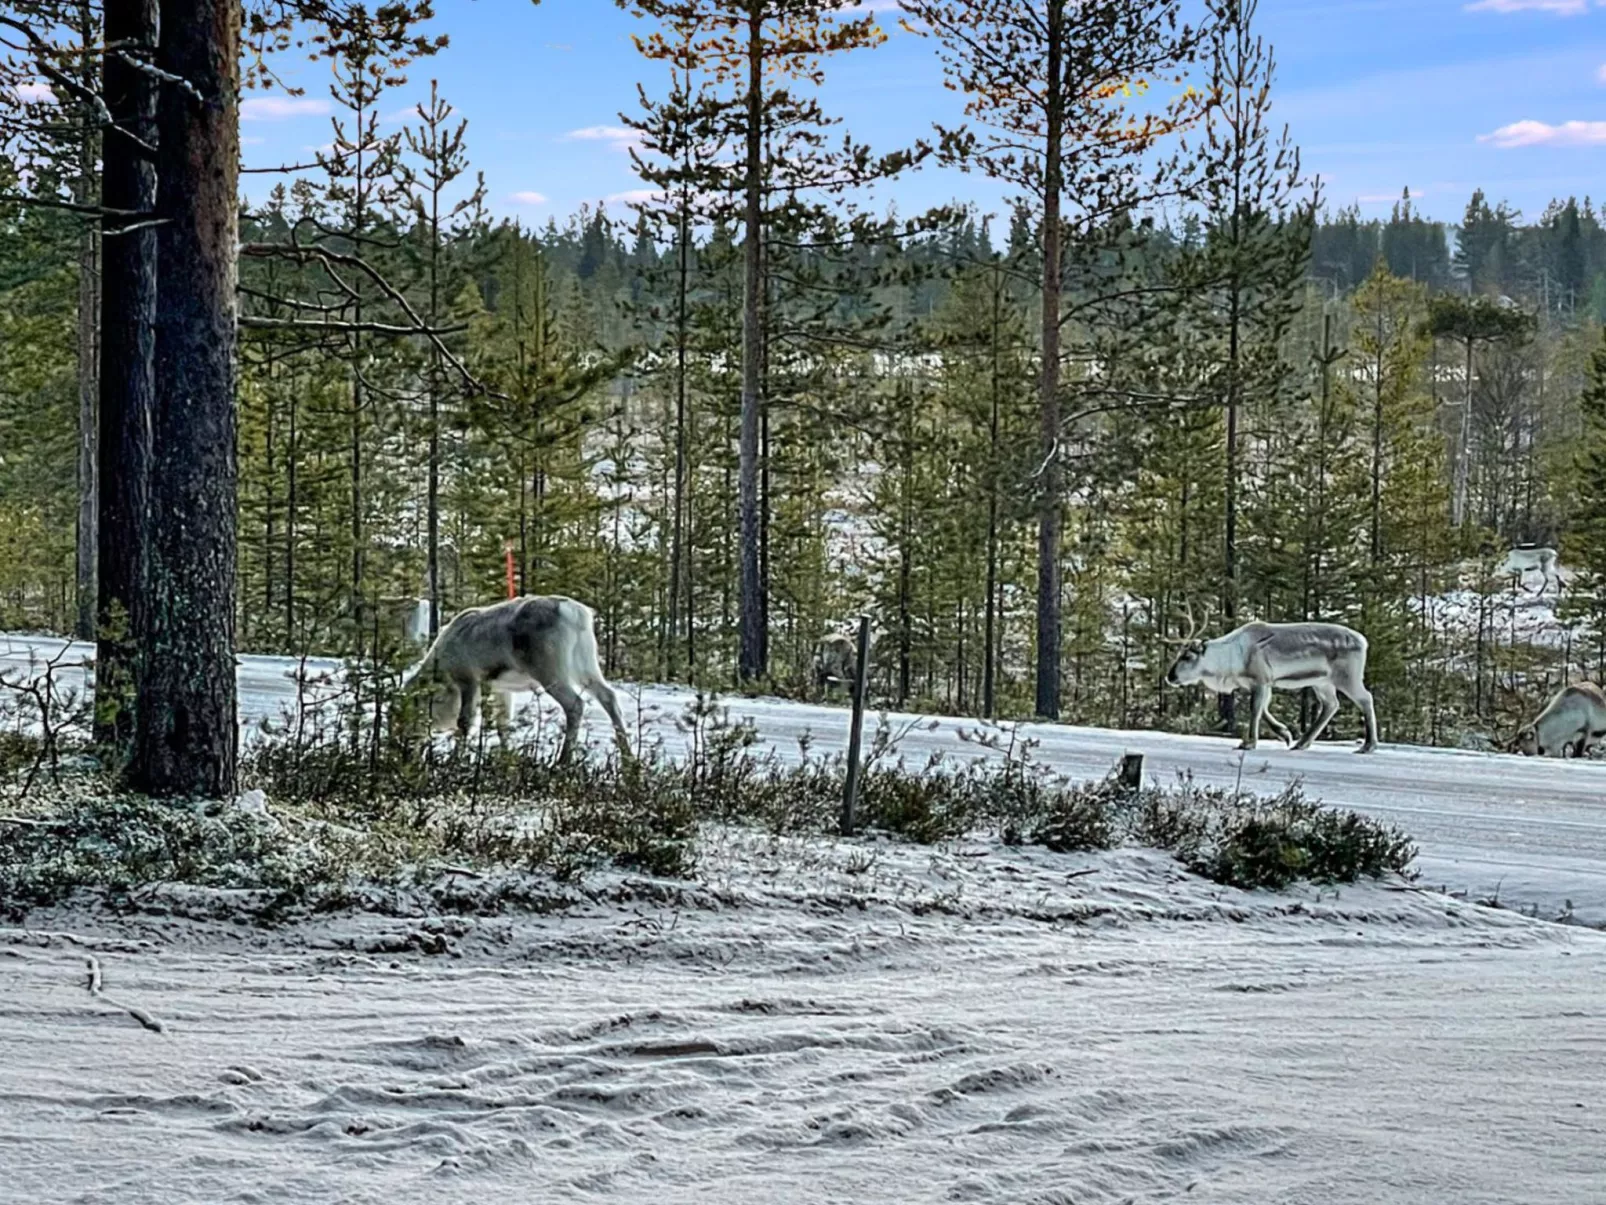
(1442, 96)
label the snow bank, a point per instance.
(820, 1021)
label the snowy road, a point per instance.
(1531, 832)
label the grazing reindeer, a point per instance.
(1262, 657)
(836, 661)
(1570, 723)
(535, 642)
(1520, 562)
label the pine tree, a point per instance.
(186, 723)
(1414, 247)
(764, 52)
(1586, 542)
(1471, 322)
(1047, 91)
(439, 148)
(1244, 280)
(1483, 244)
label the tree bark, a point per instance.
(127, 384)
(678, 492)
(1376, 541)
(989, 664)
(88, 350)
(750, 656)
(1226, 702)
(1463, 466)
(186, 724)
(1050, 506)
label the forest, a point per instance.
(732, 417)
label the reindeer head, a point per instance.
(426, 689)
(1188, 668)
(1526, 742)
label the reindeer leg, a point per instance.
(574, 710)
(605, 695)
(1260, 700)
(468, 703)
(504, 719)
(1327, 696)
(1362, 698)
(1279, 729)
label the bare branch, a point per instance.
(325, 256)
(258, 322)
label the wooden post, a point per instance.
(507, 554)
(861, 674)
(1130, 774)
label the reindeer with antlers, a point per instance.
(1262, 657)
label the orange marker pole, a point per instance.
(507, 550)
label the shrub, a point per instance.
(98, 838)
(1242, 840)
(355, 806)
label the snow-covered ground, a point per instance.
(1528, 832)
(848, 1021)
(820, 1022)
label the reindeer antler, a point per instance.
(1193, 626)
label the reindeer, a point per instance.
(534, 642)
(836, 660)
(1522, 561)
(1571, 723)
(1262, 657)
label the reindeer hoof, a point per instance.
(1246, 745)
(1367, 748)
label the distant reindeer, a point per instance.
(1262, 657)
(1522, 561)
(836, 661)
(535, 642)
(1571, 723)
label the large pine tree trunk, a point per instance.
(750, 656)
(186, 722)
(127, 387)
(1049, 508)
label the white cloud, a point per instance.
(1562, 8)
(618, 137)
(251, 141)
(529, 197)
(34, 92)
(1600, 73)
(633, 196)
(279, 108)
(408, 115)
(1539, 133)
(1388, 198)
